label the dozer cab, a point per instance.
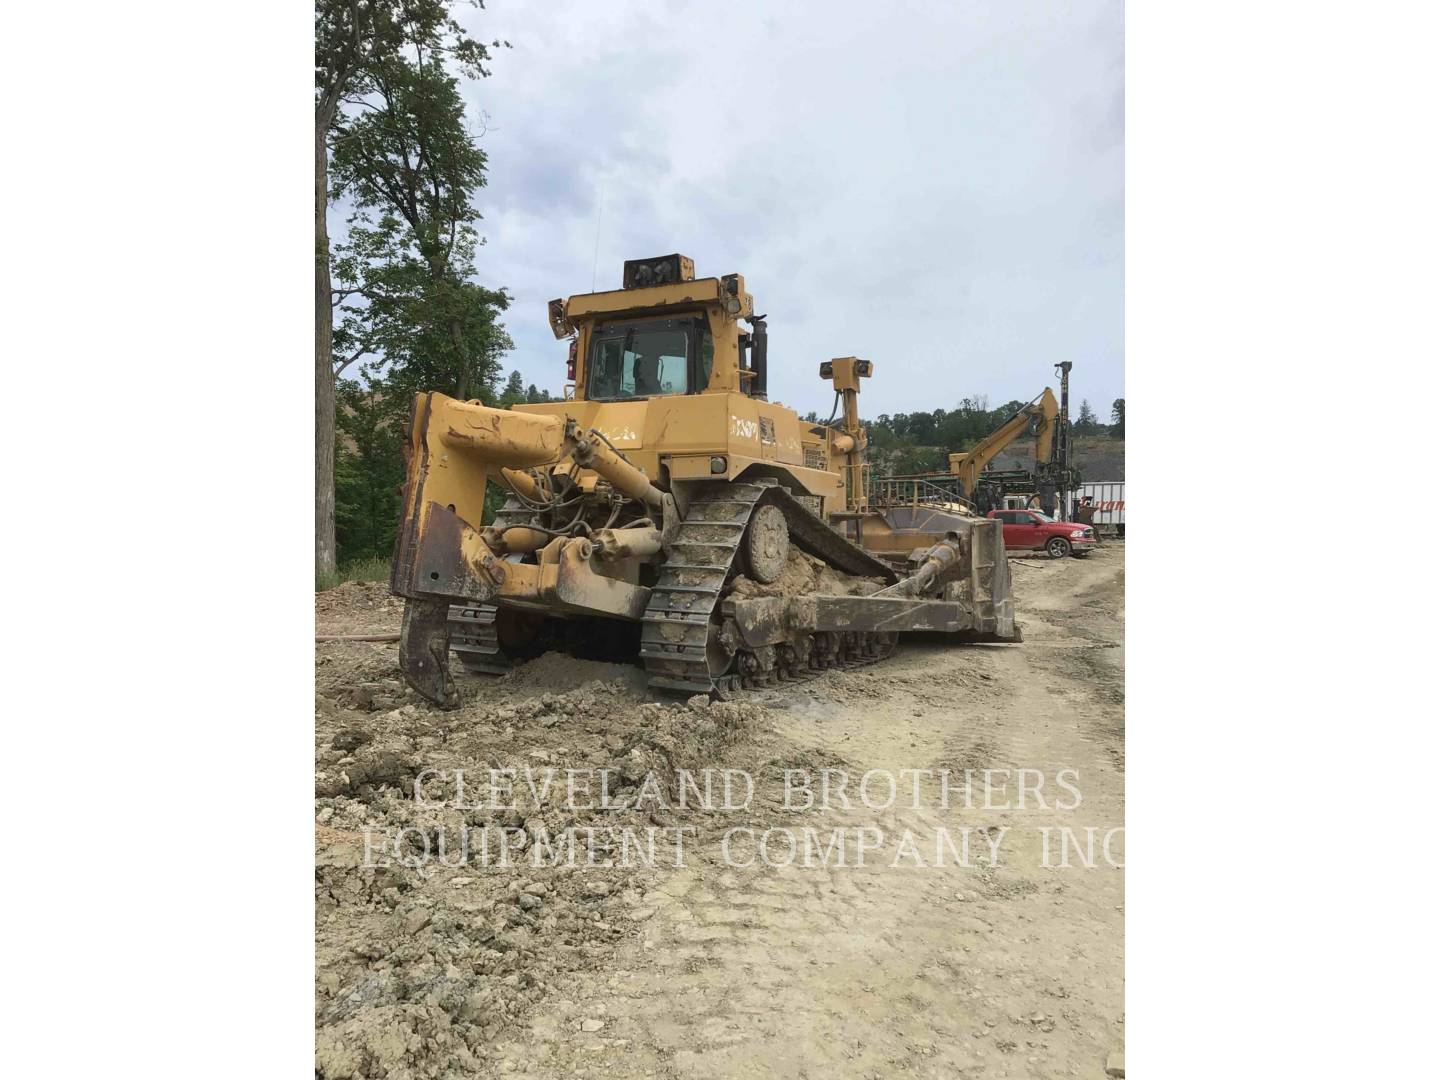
(667, 509)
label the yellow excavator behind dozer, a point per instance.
(1037, 418)
(667, 508)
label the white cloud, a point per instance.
(937, 188)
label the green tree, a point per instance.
(1086, 422)
(406, 268)
(514, 393)
(1117, 419)
(369, 469)
(353, 40)
(922, 441)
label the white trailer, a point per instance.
(1107, 500)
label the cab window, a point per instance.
(641, 360)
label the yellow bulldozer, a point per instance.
(667, 509)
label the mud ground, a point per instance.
(996, 965)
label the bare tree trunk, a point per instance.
(463, 390)
(324, 371)
(466, 388)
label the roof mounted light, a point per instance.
(560, 324)
(664, 270)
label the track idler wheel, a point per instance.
(766, 545)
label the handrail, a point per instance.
(916, 491)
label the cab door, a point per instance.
(1022, 530)
(1011, 530)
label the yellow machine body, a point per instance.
(663, 474)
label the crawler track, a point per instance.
(684, 643)
(473, 636)
(679, 642)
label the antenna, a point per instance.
(595, 260)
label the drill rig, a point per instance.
(1049, 422)
(638, 506)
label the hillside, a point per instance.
(1098, 457)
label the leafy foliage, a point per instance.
(382, 88)
(1117, 419)
(921, 442)
(514, 393)
(354, 36)
(369, 470)
(517, 393)
(404, 272)
(369, 467)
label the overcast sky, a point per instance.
(936, 187)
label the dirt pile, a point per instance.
(427, 946)
(805, 575)
(557, 672)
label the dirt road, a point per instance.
(947, 940)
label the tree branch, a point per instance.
(353, 357)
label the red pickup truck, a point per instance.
(1030, 530)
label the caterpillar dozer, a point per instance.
(667, 509)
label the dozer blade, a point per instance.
(425, 650)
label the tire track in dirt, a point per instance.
(1010, 970)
